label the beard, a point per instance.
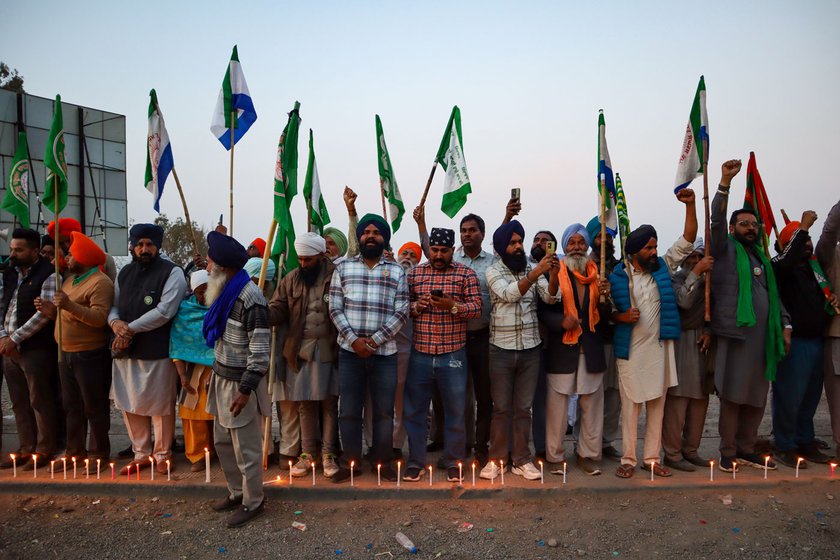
(371, 250)
(648, 265)
(537, 253)
(215, 284)
(576, 261)
(744, 240)
(516, 262)
(309, 275)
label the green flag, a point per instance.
(285, 189)
(55, 189)
(621, 210)
(387, 181)
(317, 208)
(450, 155)
(16, 199)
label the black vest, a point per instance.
(141, 287)
(563, 358)
(30, 288)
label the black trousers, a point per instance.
(34, 390)
(85, 389)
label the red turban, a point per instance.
(787, 233)
(414, 248)
(65, 227)
(85, 250)
(259, 243)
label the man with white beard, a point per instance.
(236, 326)
(575, 360)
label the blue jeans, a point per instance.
(357, 376)
(447, 372)
(796, 394)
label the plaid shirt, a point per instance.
(439, 331)
(479, 264)
(513, 322)
(35, 323)
(369, 302)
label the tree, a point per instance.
(10, 79)
(177, 241)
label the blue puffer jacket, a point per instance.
(669, 318)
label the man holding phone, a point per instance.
(443, 294)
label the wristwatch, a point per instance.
(454, 309)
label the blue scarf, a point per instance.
(216, 319)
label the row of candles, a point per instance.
(352, 468)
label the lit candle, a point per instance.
(74, 466)
(652, 468)
(352, 465)
(711, 471)
(64, 461)
(128, 473)
(542, 477)
(98, 461)
(35, 465)
(473, 474)
(52, 469)
(379, 474)
(113, 476)
(399, 464)
(766, 461)
(734, 468)
(502, 463)
(431, 475)
(564, 472)
(207, 466)
(313, 473)
(798, 462)
(138, 472)
(460, 472)
(87, 468)
(832, 465)
(14, 465)
(152, 461)
(169, 470)
(290, 474)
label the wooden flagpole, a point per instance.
(603, 267)
(707, 230)
(186, 211)
(232, 127)
(56, 198)
(428, 184)
(384, 207)
(273, 352)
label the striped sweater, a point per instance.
(242, 352)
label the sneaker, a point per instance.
(226, 504)
(588, 466)
(303, 466)
(696, 460)
(754, 461)
(490, 471)
(556, 468)
(728, 464)
(681, 465)
(527, 471)
(413, 474)
(813, 454)
(452, 475)
(245, 515)
(329, 465)
(789, 459)
(343, 474)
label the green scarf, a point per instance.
(774, 348)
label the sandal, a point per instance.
(658, 470)
(625, 471)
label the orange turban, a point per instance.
(65, 227)
(85, 250)
(414, 247)
(787, 233)
(259, 243)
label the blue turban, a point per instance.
(379, 222)
(503, 234)
(572, 230)
(254, 266)
(226, 251)
(152, 232)
(594, 229)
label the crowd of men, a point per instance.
(492, 352)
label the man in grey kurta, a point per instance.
(147, 294)
(740, 364)
(236, 325)
(687, 402)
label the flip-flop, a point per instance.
(625, 471)
(658, 470)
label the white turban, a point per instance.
(197, 278)
(310, 244)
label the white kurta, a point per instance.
(652, 367)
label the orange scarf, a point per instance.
(569, 297)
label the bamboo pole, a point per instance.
(428, 184)
(273, 352)
(232, 127)
(186, 212)
(384, 207)
(707, 230)
(57, 258)
(603, 267)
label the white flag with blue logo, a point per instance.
(159, 161)
(234, 108)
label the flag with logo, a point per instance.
(159, 161)
(16, 199)
(605, 179)
(387, 180)
(285, 189)
(692, 155)
(450, 156)
(756, 197)
(621, 210)
(55, 190)
(234, 107)
(318, 215)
